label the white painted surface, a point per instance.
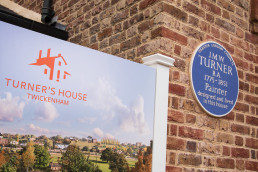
(162, 64)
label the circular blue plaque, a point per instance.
(214, 79)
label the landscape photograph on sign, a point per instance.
(71, 108)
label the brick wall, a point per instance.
(132, 29)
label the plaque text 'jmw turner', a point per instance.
(214, 79)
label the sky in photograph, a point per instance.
(120, 93)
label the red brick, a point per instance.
(105, 33)
(230, 116)
(253, 38)
(240, 129)
(242, 107)
(251, 99)
(240, 117)
(240, 63)
(226, 151)
(243, 86)
(175, 116)
(252, 78)
(176, 89)
(177, 50)
(240, 153)
(175, 102)
(173, 130)
(251, 165)
(175, 143)
(146, 3)
(251, 143)
(239, 141)
(191, 133)
(167, 33)
(173, 169)
(189, 159)
(226, 163)
(252, 120)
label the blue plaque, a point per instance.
(214, 79)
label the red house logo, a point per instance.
(54, 65)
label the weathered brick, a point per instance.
(172, 158)
(175, 12)
(206, 121)
(191, 133)
(227, 5)
(241, 3)
(239, 141)
(176, 89)
(117, 38)
(240, 164)
(251, 143)
(226, 163)
(189, 159)
(223, 125)
(144, 26)
(105, 33)
(191, 32)
(137, 18)
(193, 9)
(175, 116)
(251, 165)
(133, 42)
(190, 118)
(165, 32)
(224, 24)
(94, 29)
(209, 161)
(175, 143)
(191, 146)
(240, 129)
(226, 138)
(118, 17)
(226, 151)
(133, 10)
(211, 7)
(240, 153)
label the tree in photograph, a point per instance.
(74, 160)
(2, 158)
(85, 148)
(42, 157)
(118, 163)
(106, 155)
(139, 165)
(12, 164)
(28, 156)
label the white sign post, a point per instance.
(162, 64)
